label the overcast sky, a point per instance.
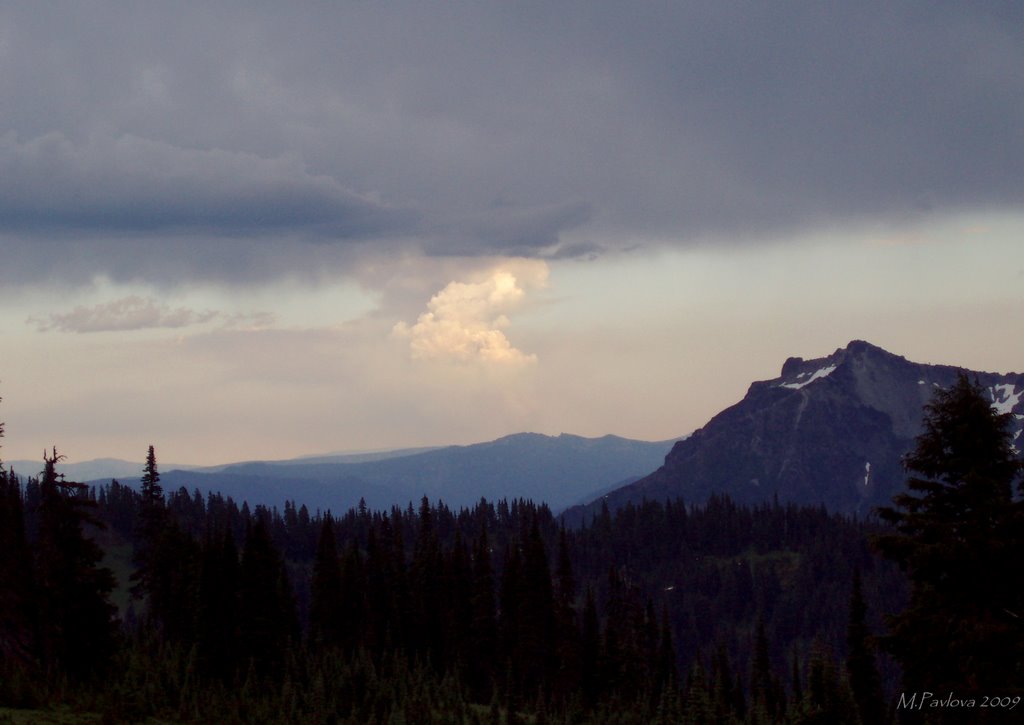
(261, 230)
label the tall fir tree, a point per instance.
(861, 668)
(17, 600)
(217, 608)
(150, 489)
(152, 519)
(167, 559)
(958, 533)
(483, 637)
(510, 608)
(567, 639)
(16, 590)
(267, 622)
(457, 610)
(827, 698)
(766, 692)
(325, 601)
(591, 665)
(78, 632)
(352, 605)
(425, 575)
(536, 621)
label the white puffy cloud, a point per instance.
(465, 321)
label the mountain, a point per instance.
(559, 470)
(830, 431)
(103, 468)
(97, 468)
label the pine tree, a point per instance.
(765, 690)
(566, 590)
(78, 629)
(324, 627)
(151, 524)
(216, 612)
(150, 489)
(483, 636)
(958, 533)
(827, 698)
(166, 556)
(266, 610)
(536, 622)
(16, 595)
(173, 582)
(352, 606)
(568, 640)
(458, 605)
(380, 593)
(509, 622)
(665, 659)
(426, 625)
(17, 620)
(699, 708)
(860, 660)
(591, 670)
(727, 691)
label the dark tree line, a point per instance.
(660, 612)
(496, 609)
(56, 620)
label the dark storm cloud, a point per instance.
(49, 185)
(508, 230)
(483, 128)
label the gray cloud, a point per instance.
(51, 185)
(510, 230)
(138, 313)
(233, 142)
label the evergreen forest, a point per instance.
(124, 605)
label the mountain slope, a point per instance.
(103, 468)
(98, 468)
(829, 431)
(560, 471)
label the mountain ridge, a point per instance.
(559, 470)
(828, 431)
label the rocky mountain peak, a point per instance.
(831, 430)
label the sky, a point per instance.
(250, 230)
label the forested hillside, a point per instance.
(661, 612)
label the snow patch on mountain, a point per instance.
(1004, 397)
(811, 377)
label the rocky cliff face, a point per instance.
(829, 431)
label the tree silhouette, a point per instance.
(78, 629)
(860, 659)
(151, 523)
(266, 609)
(216, 612)
(324, 615)
(958, 534)
(17, 620)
